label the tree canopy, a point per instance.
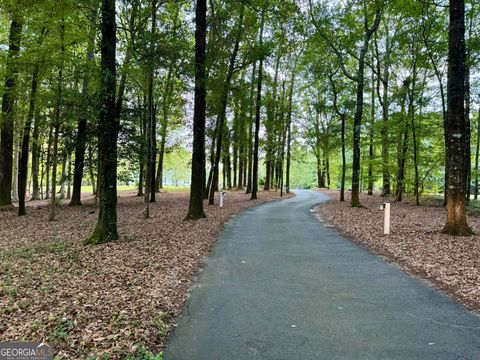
(351, 94)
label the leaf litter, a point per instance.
(449, 263)
(111, 300)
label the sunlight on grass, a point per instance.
(87, 189)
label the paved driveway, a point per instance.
(280, 285)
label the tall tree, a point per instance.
(197, 188)
(289, 123)
(384, 79)
(456, 171)
(258, 108)
(357, 121)
(23, 166)
(36, 145)
(270, 129)
(167, 101)
(150, 132)
(343, 117)
(371, 149)
(477, 157)
(57, 119)
(223, 106)
(7, 120)
(468, 61)
(250, 129)
(81, 140)
(106, 229)
(359, 78)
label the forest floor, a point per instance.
(109, 301)
(451, 264)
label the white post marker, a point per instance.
(222, 199)
(386, 221)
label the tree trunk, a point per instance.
(327, 162)
(268, 171)
(324, 172)
(35, 158)
(235, 161)
(415, 157)
(289, 127)
(357, 122)
(151, 119)
(224, 171)
(468, 155)
(197, 189)
(371, 152)
(456, 171)
(270, 131)
(153, 154)
(42, 174)
(16, 156)
(438, 75)
(169, 87)
(165, 114)
(241, 163)
(69, 177)
(212, 162)
(477, 155)
(56, 131)
(240, 140)
(320, 182)
(223, 106)
(284, 139)
(7, 123)
(90, 168)
(140, 179)
(342, 137)
(344, 159)
(384, 102)
(414, 132)
(81, 140)
(227, 161)
(402, 154)
(48, 163)
(56, 124)
(357, 126)
(161, 157)
(143, 131)
(63, 178)
(249, 167)
(106, 228)
(258, 108)
(148, 147)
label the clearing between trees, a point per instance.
(416, 243)
(115, 299)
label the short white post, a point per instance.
(386, 221)
(222, 199)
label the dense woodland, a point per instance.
(360, 95)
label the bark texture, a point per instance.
(197, 189)
(455, 140)
(106, 228)
(7, 121)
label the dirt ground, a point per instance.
(451, 264)
(109, 301)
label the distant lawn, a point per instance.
(87, 189)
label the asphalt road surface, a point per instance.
(280, 285)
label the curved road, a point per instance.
(280, 285)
